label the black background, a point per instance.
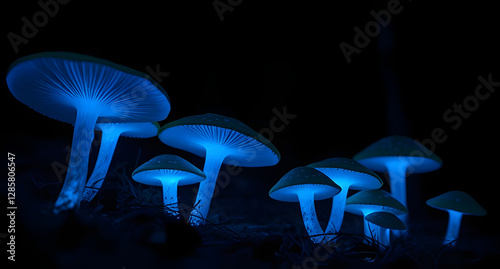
(269, 55)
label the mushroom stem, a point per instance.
(337, 214)
(170, 196)
(455, 218)
(306, 201)
(383, 236)
(371, 230)
(108, 144)
(213, 162)
(72, 189)
(397, 179)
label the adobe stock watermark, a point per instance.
(362, 37)
(461, 111)
(454, 116)
(48, 9)
(222, 7)
(320, 254)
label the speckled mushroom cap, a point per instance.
(167, 166)
(386, 220)
(374, 201)
(303, 179)
(243, 146)
(398, 148)
(58, 84)
(344, 171)
(132, 129)
(457, 201)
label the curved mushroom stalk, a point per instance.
(337, 213)
(306, 201)
(72, 190)
(455, 218)
(106, 151)
(213, 163)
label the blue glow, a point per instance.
(218, 145)
(72, 190)
(169, 179)
(80, 90)
(306, 200)
(215, 156)
(454, 221)
(111, 132)
(306, 194)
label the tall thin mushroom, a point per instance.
(219, 139)
(398, 155)
(111, 132)
(82, 90)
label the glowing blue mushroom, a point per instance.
(398, 155)
(385, 222)
(348, 174)
(168, 171)
(305, 185)
(457, 204)
(83, 90)
(370, 201)
(110, 134)
(221, 140)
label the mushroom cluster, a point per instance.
(84, 90)
(97, 95)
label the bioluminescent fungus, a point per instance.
(110, 134)
(385, 222)
(370, 201)
(221, 140)
(457, 204)
(348, 174)
(305, 185)
(168, 171)
(398, 155)
(83, 90)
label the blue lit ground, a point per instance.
(123, 231)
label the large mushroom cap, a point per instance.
(57, 84)
(457, 201)
(132, 129)
(303, 179)
(386, 220)
(374, 201)
(401, 149)
(347, 172)
(243, 146)
(167, 166)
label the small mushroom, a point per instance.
(457, 204)
(370, 201)
(348, 174)
(168, 171)
(398, 155)
(386, 222)
(83, 90)
(111, 132)
(305, 185)
(219, 139)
